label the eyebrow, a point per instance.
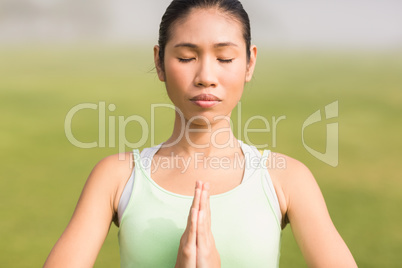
(225, 44)
(218, 45)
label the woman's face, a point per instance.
(205, 65)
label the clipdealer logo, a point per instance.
(112, 123)
(330, 156)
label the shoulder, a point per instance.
(85, 233)
(111, 174)
(303, 206)
(290, 177)
(287, 170)
(115, 165)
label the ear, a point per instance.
(159, 69)
(251, 64)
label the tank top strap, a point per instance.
(136, 155)
(137, 162)
(146, 158)
(270, 189)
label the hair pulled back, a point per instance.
(179, 9)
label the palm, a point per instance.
(197, 244)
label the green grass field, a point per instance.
(42, 173)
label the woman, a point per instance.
(234, 216)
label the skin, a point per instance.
(205, 70)
(197, 245)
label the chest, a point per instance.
(178, 175)
(243, 224)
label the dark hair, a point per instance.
(179, 9)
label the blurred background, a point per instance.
(56, 54)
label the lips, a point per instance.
(205, 100)
(205, 97)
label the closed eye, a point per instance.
(186, 60)
(226, 60)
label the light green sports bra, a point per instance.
(245, 221)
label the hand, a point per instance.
(207, 254)
(186, 257)
(197, 245)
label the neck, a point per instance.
(210, 139)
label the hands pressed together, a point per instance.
(197, 245)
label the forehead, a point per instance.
(207, 26)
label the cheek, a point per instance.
(177, 80)
(176, 76)
(235, 79)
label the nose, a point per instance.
(206, 74)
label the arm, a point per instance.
(303, 205)
(82, 240)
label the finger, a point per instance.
(192, 220)
(197, 195)
(201, 232)
(196, 200)
(205, 204)
(202, 226)
(204, 196)
(208, 211)
(193, 214)
(192, 226)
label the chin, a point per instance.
(207, 118)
